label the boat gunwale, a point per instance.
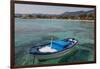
(53, 52)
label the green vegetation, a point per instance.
(81, 15)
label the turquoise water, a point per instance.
(32, 32)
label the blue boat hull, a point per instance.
(43, 56)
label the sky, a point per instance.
(46, 9)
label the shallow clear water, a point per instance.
(32, 32)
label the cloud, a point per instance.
(46, 9)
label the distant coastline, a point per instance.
(79, 15)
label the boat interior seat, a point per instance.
(60, 45)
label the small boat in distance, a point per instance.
(54, 49)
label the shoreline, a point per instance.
(61, 19)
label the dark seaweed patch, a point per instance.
(22, 51)
(81, 54)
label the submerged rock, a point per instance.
(81, 54)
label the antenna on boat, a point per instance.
(51, 42)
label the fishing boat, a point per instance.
(54, 49)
